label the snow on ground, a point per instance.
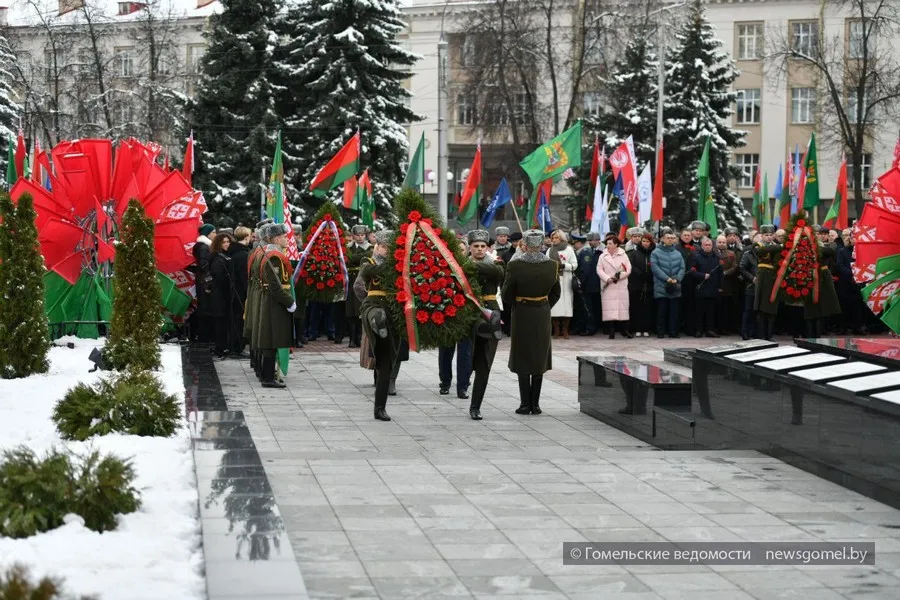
(155, 552)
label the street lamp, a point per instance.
(442, 119)
(661, 71)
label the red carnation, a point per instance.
(459, 300)
(435, 299)
(309, 281)
(399, 254)
(302, 272)
(442, 262)
(421, 316)
(784, 284)
(425, 297)
(339, 277)
(401, 240)
(414, 216)
(399, 267)
(437, 231)
(398, 283)
(805, 291)
(450, 311)
(427, 221)
(789, 245)
(327, 217)
(320, 286)
(437, 318)
(435, 285)
(404, 227)
(402, 297)
(801, 223)
(420, 247)
(330, 283)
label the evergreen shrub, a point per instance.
(136, 321)
(36, 494)
(16, 584)
(133, 402)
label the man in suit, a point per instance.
(590, 282)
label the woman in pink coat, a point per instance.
(613, 270)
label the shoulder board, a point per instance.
(285, 264)
(368, 260)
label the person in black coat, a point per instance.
(748, 268)
(222, 292)
(201, 320)
(848, 290)
(239, 253)
(706, 276)
(640, 286)
(586, 272)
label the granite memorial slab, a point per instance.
(768, 354)
(868, 383)
(742, 346)
(803, 360)
(848, 369)
(893, 396)
(880, 350)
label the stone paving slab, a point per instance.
(434, 505)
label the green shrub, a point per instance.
(132, 402)
(16, 584)
(36, 494)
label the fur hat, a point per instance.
(699, 225)
(767, 229)
(666, 231)
(592, 236)
(359, 230)
(732, 231)
(383, 237)
(263, 222)
(478, 235)
(501, 231)
(533, 238)
(633, 231)
(273, 230)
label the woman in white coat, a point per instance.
(561, 252)
(614, 269)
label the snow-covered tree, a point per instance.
(342, 70)
(699, 104)
(10, 111)
(233, 114)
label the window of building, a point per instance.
(593, 104)
(750, 41)
(195, 54)
(25, 65)
(124, 112)
(468, 55)
(521, 108)
(866, 165)
(593, 46)
(803, 105)
(804, 37)
(749, 164)
(749, 106)
(856, 33)
(124, 61)
(852, 106)
(465, 110)
(165, 62)
(49, 65)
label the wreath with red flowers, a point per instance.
(440, 279)
(798, 272)
(321, 275)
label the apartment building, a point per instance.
(779, 104)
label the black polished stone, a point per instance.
(882, 351)
(202, 389)
(850, 438)
(630, 395)
(735, 347)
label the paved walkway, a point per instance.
(434, 505)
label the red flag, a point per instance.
(188, 168)
(785, 214)
(656, 208)
(623, 161)
(166, 163)
(837, 215)
(897, 154)
(21, 155)
(350, 200)
(468, 203)
(757, 190)
(339, 169)
(36, 167)
(595, 172)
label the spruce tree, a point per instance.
(24, 331)
(233, 115)
(7, 215)
(136, 321)
(10, 110)
(342, 68)
(699, 103)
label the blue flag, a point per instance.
(501, 198)
(544, 214)
(619, 192)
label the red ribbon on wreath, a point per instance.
(782, 269)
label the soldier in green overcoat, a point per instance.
(490, 275)
(385, 342)
(276, 304)
(531, 288)
(251, 307)
(358, 249)
(768, 252)
(828, 304)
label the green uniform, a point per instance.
(531, 289)
(251, 307)
(275, 321)
(769, 256)
(490, 276)
(355, 256)
(828, 304)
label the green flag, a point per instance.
(275, 191)
(415, 175)
(811, 195)
(765, 212)
(11, 176)
(555, 157)
(706, 206)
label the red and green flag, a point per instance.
(656, 207)
(837, 214)
(757, 201)
(468, 204)
(350, 194)
(811, 176)
(10, 163)
(22, 167)
(553, 158)
(706, 205)
(765, 199)
(365, 200)
(783, 211)
(343, 166)
(541, 190)
(596, 168)
(415, 175)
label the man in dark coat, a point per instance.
(768, 255)
(706, 279)
(733, 285)
(748, 270)
(531, 288)
(588, 257)
(687, 247)
(381, 334)
(276, 303)
(357, 249)
(240, 255)
(490, 276)
(201, 320)
(501, 243)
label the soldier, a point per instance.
(734, 320)
(531, 288)
(384, 340)
(501, 243)
(818, 315)
(490, 276)
(276, 302)
(251, 308)
(357, 249)
(768, 254)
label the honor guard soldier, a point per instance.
(531, 288)
(358, 249)
(487, 335)
(254, 290)
(276, 302)
(382, 337)
(768, 253)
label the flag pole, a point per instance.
(262, 196)
(516, 213)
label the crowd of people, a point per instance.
(541, 286)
